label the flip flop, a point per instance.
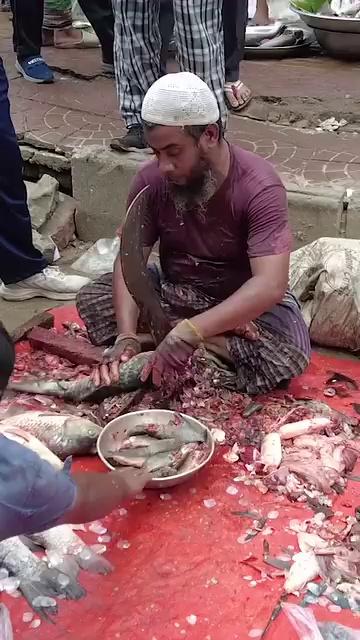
(230, 91)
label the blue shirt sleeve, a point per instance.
(33, 495)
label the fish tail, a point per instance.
(94, 563)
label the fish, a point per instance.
(38, 583)
(310, 542)
(313, 472)
(304, 569)
(137, 457)
(85, 389)
(335, 377)
(193, 460)
(64, 435)
(271, 452)
(323, 409)
(6, 631)
(310, 425)
(160, 460)
(29, 441)
(335, 631)
(65, 549)
(182, 429)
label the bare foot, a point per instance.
(262, 15)
(237, 95)
(69, 38)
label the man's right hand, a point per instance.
(126, 347)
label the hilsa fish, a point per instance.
(64, 435)
(85, 388)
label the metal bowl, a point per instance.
(328, 23)
(119, 428)
(339, 37)
(344, 46)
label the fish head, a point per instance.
(80, 435)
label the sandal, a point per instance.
(233, 97)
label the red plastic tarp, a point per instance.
(183, 574)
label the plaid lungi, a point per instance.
(137, 46)
(260, 365)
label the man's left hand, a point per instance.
(172, 354)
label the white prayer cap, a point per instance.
(180, 99)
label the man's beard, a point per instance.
(195, 194)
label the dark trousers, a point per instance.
(235, 16)
(28, 20)
(18, 257)
(27, 24)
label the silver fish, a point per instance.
(6, 632)
(66, 549)
(137, 457)
(36, 579)
(184, 430)
(64, 435)
(193, 460)
(335, 631)
(159, 461)
(85, 389)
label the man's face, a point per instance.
(183, 160)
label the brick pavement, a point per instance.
(80, 109)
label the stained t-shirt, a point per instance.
(246, 218)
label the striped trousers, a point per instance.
(200, 44)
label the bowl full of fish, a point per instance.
(172, 446)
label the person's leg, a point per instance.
(101, 17)
(200, 40)
(235, 14)
(58, 30)
(137, 64)
(22, 267)
(18, 257)
(27, 25)
(262, 13)
(94, 303)
(166, 23)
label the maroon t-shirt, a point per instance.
(246, 218)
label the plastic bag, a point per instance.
(325, 277)
(307, 628)
(99, 259)
(348, 8)
(6, 632)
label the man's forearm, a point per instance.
(126, 310)
(246, 304)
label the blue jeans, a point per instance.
(18, 257)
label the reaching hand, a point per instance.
(129, 482)
(172, 354)
(125, 347)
